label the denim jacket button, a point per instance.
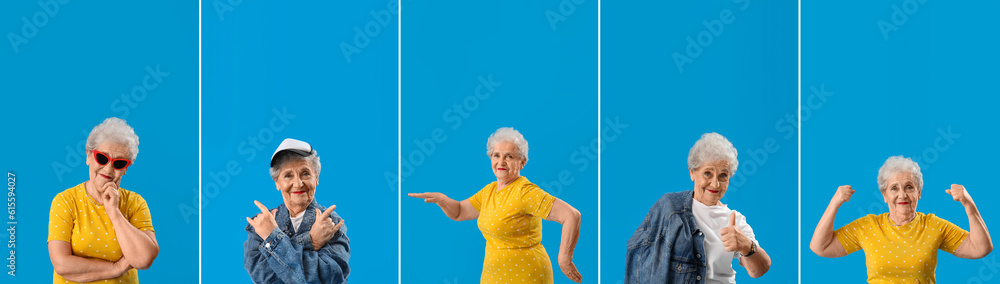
(698, 277)
(697, 255)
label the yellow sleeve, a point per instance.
(951, 235)
(848, 235)
(536, 201)
(477, 199)
(62, 213)
(138, 212)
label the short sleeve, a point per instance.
(139, 215)
(536, 201)
(951, 235)
(61, 216)
(848, 235)
(477, 199)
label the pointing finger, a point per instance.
(328, 211)
(261, 206)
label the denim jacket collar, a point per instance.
(284, 220)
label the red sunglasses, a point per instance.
(103, 159)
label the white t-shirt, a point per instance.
(297, 220)
(711, 220)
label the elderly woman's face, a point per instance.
(710, 181)
(901, 193)
(506, 161)
(102, 175)
(297, 182)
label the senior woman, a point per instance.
(510, 213)
(97, 229)
(692, 237)
(300, 241)
(901, 246)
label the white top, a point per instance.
(297, 220)
(711, 220)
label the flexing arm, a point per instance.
(978, 243)
(81, 269)
(458, 211)
(824, 241)
(569, 217)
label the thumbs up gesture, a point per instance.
(733, 238)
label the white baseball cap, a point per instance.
(294, 145)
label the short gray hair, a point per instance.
(288, 156)
(507, 134)
(897, 164)
(285, 157)
(114, 130)
(712, 147)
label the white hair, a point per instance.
(508, 134)
(285, 157)
(897, 164)
(712, 147)
(114, 130)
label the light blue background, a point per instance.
(891, 97)
(262, 56)
(547, 91)
(742, 85)
(67, 79)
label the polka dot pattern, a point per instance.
(510, 219)
(76, 218)
(901, 254)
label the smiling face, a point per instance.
(297, 182)
(100, 175)
(901, 194)
(507, 162)
(710, 181)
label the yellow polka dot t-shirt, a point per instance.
(901, 254)
(511, 221)
(77, 219)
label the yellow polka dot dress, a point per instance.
(511, 221)
(77, 219)
(901, 254)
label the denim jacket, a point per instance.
(287, 256)
(668, 247)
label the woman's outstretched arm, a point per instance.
(458, 211)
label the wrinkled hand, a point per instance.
(323, 229)
(122, 266)
(430, 197)
(568, 268)
(109, 196)
(264, 222)
(733, 238)
(843, 194)
(958, 193)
